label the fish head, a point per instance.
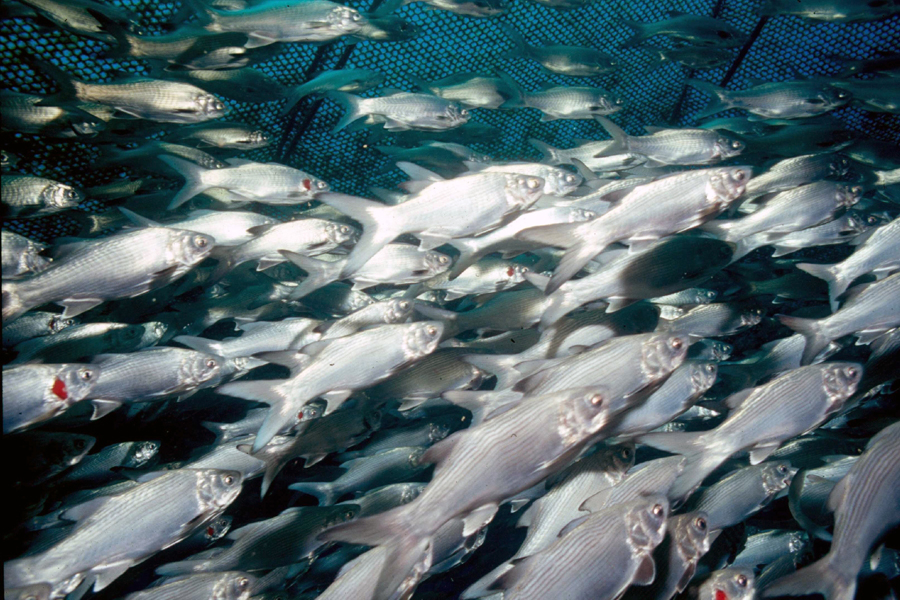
(141, 453)
(839, 166)
(751, 317)
(258, 139)
(703, 376)
(217, 488)
(523, 190)
(583, 412)
(414, 457)
(190, 247)
(386, 28)
(60, 195)
(776, 476)
(410, 492)
(345, 19)
(578, 215)
(727, 147)
(706, 296)
(437, 262)
(830, 98)
(341, 234)
(605, 104)
(74, 383)
(422, 338)
(856, 222)
(217, 528)
(235, 586)
(663, 353)
(74, 447)
(57, 323)
(691, 534)
(840, 380)
(397, 310)
(310, 411)
(647, 522)
(621, 459)
(314, 186)
(848, 195)
(560, 182)
(152, 333)
(514, 274)
(480, 8)
(209, 106)
(798, 542)
(372, 419)
(730, 584)
(340, 514)
(128, 336)
(453, 115)
(200, 368)
(726, 185)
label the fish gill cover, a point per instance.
(553, 298)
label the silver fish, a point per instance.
(338, 80)
(693, 29)
(575, 61)
(401, 111)
(21, 256)
(865, 505)
(733, 584)
(228, 585)
(796, 171)
(98, 468)
(28, 114)
(236, 136)
(403, 344)
(283, 21)
(243, 85)
(35, 393)
(486, 276)
(573, 102)
(767, 546)
(158, 513)
(386, 28)
(712, 320)
(472, 90)
(744, 492)
(673, 146)
(814, 392)
(385, 498)
(842, 11)
(27, 196)
(33, 325)
(119, 266)
(261, 336)
(781, 100)
(79, 341)
(435, 374)
(692, 57)
(867, 315)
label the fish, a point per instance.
(85, 340)
(102, 466)
(400, 111)
(867, 315)
(775, 100)
(83, 17)
(861, 517)
(234, 136)
(471, 90)
(386, 28)
(693, 29)
(692, 57)
(744, 492)
(27, 113)
(484, 277)
(21, 255)
(95, 553)
(385, 498)
(243, 85)
(34, 325)
(567, 102)
(36, 393)
(575, 61)
(286, 397)
(278, 21)
(469, 8)
(74, 282)
(229, 585)
(712, 320)
(730, 584)
(439, 372)
(840, 11)
(27, 196)
(48, 454)
(817, 392)
(765, 547)
(679, 202)
(339, 80)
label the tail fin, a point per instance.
(275, 459)
(381, 225)
(469, 254)
(13, 306)
(561, 235)
(811, 329)
(836, 285)
(281, 411)
(372, 531)
(320, 273)
(721, 98)
(620, 138)
(657, 58)
(227, 257)
(68, 85)
(193, 179)
(549, 154)
(200, 344)
(699, 463)
(325, 493)
(521, 46)
(352, 106)
(122, 48)
(572, 261)
(518, 95)
(640, 34)
(559, 304)
(823, 576)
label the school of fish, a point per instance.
(645, 367)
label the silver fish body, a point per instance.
(21, 256)
(282, 21)
(744, 492)
(228, 585)
(27, 196)
(36, 393)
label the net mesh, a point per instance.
(448, 44)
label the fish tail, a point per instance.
(295, 95)
(469, 253)
(698, 465)
(559, 304)
(721, 100)
(274, 459)
(68, 85)
(227, 257)
(823, 576)
(561, 235)
(193, 179)
(200, 344)
(123, 45)
(572, 261)
(657, 58)
(320, 273)
(323, 492)
(13, 305)
(381, 224)
(375, 530)
(521, 46)
(549, 154)
(270, 392)
(353, 107)
(641, 33)
(183, 567)
(518, 94)
(811, 329)
(620, 138)
(836, 284)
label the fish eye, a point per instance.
(464, 113)
(243, 582)
(741, 580)
(404, 304)
(852, 372)
(676, 343)
(200, 241)
(739, 175)
(533, 183)
(211, 364)
(856, 190)
(228, 479)
(700, 523)
(432, 331)
(737, 145)
(710, 369)
(619, 101)
(711, 295)
(782, 469)
(658, 510)
(85, 375)
(345, 229)
(596, 400)
(626, 453)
